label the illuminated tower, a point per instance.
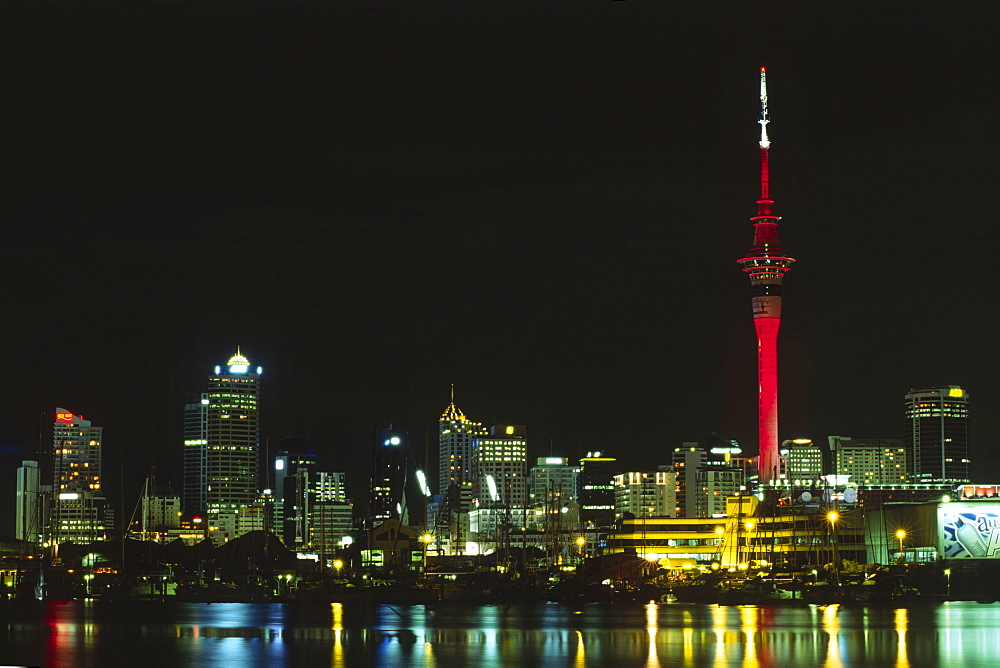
(456, 434)
(222, 437)
(766, 264)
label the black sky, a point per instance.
(540, 202)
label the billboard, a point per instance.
(970, 530)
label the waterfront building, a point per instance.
(937, 433)
(78, 513)
(221, 446)
(766, 264)
(596, 490)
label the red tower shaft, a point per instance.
(766, 265)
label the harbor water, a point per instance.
(145, 634)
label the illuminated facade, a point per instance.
(646, 493)
(456, 434)
(766, 264)
(686, 462)
(222, 441)
(937, 433)
(78, 503)
(876, 461)
(552, 482)
(803, 460)
(503, 456)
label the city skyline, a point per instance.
(547, 224)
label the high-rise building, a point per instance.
(716, 481)
(937, 433)
(870, 461)
(79, 503)
(222, 442)
(294, 476)
(503, 456)
(766, 264)
(804, 460)
(28, 503)
(596, 489)
(686, 462)
(552, 482)
(387, 499)
(456, 434)
(194, 494)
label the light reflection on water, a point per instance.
(150, 634)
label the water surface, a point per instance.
(86, 633)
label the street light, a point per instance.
(900, 535)
(580, 543)
(947, 575)
(426, 540)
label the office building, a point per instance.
(501, 456)
(552, 482)
(870, 461)
(221, 445)
(596, 490)
(646, 493)
(387, 497)
(804, 460)
(937, 434)
(456, 434)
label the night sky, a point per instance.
(540, 202)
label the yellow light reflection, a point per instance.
(337, 611)
(830, 623)
(902, 624)
(652, 626)
(581, 653)
(749, 623)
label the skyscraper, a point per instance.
(766, 265)
(194, 495)
(937, 433)
(79, 503)
(596, 489)
(455, 436)
(388, 479)
(222, 440)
